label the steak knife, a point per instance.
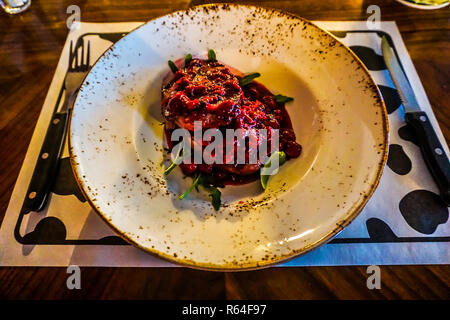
(430, 146)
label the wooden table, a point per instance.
(30, 45)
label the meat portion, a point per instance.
(210, 92)
(204, 91)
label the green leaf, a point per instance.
(193, 185)
(175, 161)
(187, 59)
(245, 80)
(212, 55)
(172, 66)
(266, 170)
(215, 195)
(210, 185)
(207, 183)
(279, 98)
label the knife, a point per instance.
(47, 164)
(430, 146)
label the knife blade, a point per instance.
(430, 146)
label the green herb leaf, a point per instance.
(245, 80)
(215, 195)
(187, 59)
(172, 66)
(193, 185)
(279, 98)
(175, 161)
(212, 55)
(209, 185)
(266, 170)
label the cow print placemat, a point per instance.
(405, 222)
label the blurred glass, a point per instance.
(15, 6)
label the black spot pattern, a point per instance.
(379, 231)
(113, 240)
(398, 161)
(406, 133)
(49, 230)
(113, 37)
(368, 56)
(423, 211)
(65, 183)
(391, 98)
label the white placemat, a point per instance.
(404, 222)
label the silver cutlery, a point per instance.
(430, 146)
(47, 163)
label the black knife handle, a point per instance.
(432, 151)
(47, 163)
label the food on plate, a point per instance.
(201, 95)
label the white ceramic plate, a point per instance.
(338, 116)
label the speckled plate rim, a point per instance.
(352, 214)
(423, 6)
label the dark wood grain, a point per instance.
(30, 45)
